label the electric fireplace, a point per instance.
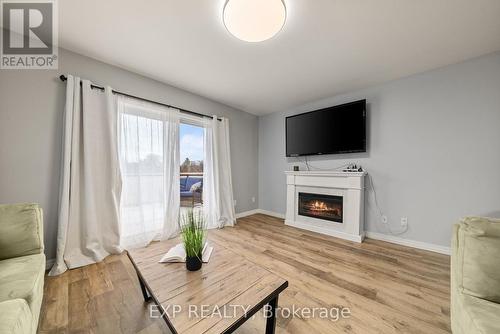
(321, 206)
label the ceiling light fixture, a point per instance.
(254, 20)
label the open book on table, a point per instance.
(178, 254)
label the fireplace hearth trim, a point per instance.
(348, 185)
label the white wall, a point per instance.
(31, 115)
(433, 149)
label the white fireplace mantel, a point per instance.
(349, 185)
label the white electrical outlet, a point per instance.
(404, 221)
(253, 199)
(384, 219)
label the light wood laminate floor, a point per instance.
(387, 288)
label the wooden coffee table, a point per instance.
(218, 298)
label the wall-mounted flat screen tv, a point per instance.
(333, 130)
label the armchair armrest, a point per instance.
(21, 230)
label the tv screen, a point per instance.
(339, 129)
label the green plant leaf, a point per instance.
(193, 232)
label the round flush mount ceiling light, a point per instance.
(254, 20)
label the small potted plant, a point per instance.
(192, 227)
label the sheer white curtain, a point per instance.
(149, 159)
(218, 188)
(88, 224)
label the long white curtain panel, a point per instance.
(90, 188)
(149, 159)
(218, 193)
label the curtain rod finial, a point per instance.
(62, 77)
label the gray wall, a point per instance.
(31, 115)
(434, 149)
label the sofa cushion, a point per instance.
(475, 315)
(22, 277)
(479, 245)
(183, 180)
(20, 230)
(15, 317)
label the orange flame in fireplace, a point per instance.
(319, 206)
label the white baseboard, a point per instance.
(410, 243)
(264, 212)
(246, 213)
(49, 263)
(272, 213)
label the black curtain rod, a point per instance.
(64, 78)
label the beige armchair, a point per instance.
(22, 268)
(475, 276)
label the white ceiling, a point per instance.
(326, 47)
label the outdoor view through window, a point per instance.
(191, 158)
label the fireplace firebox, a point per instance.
(328, 207)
